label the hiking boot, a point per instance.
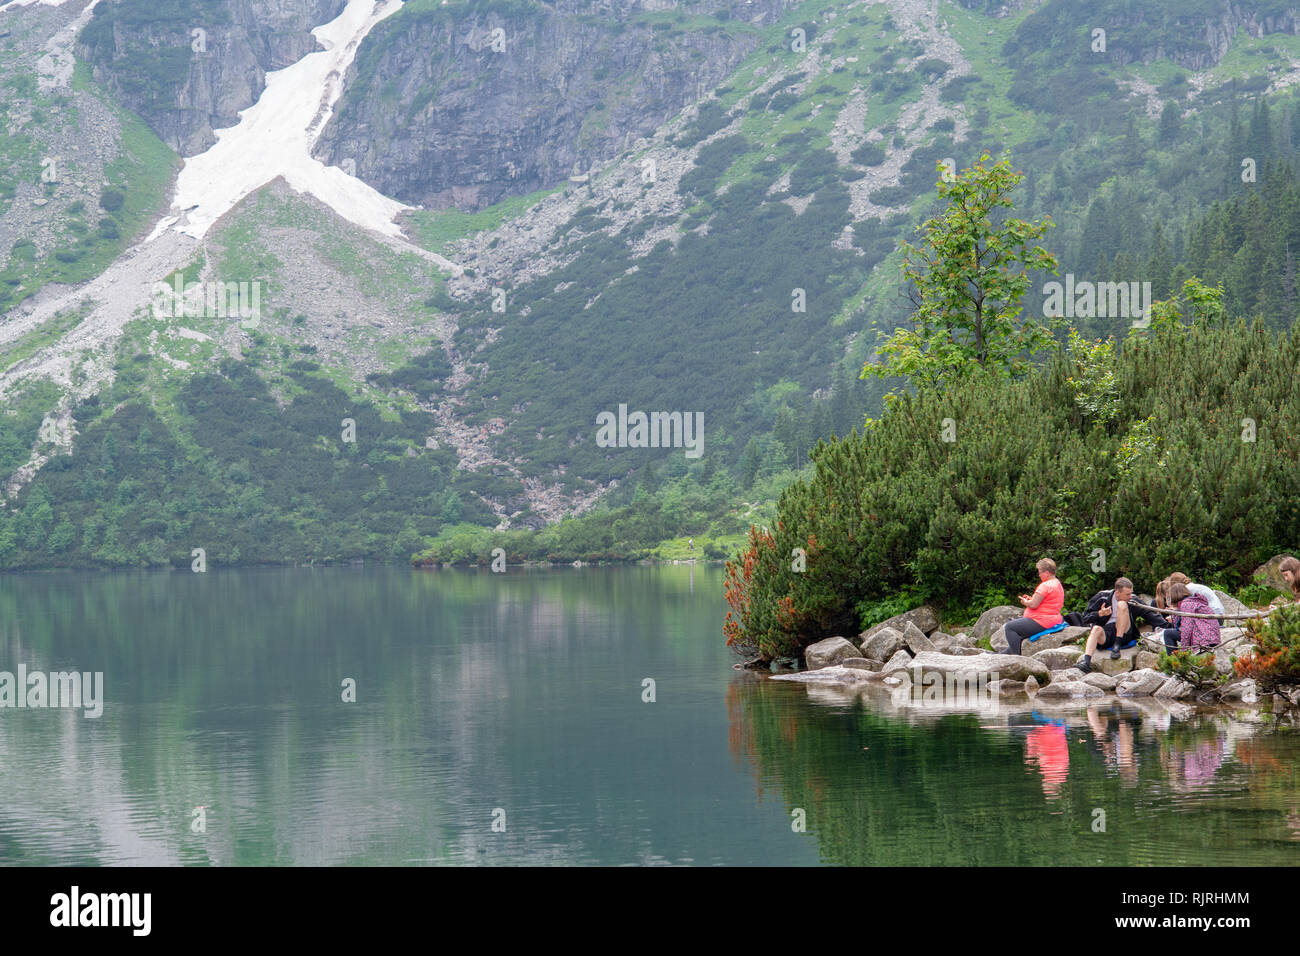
(1114, 653)
(1084, 664)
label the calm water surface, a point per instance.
(518, 698)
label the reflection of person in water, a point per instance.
(1046, 746)
(1117, 751)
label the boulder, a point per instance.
(961, 650)
(1231, 605)
(900, 661)
(1069, 689)
(1115, 667)
(1007, 688)
(882, 645)
(835, 674)
(994, 666)
(1031, 685)
(964, 640)
(1223, 655)
(1058, 658)
(1244, 691)
(1145, 660)
(1097, 679)
(916, 640)
(862, 663)
(1068, 674)
(943, 643)
(833, 650)
(1175, 688)
(1066, 635)
(1272, 575)
(924, 617)
(1141, 683)
(992, 620)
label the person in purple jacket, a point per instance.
(1199, 634)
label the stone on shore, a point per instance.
(834, 674)
(1098, 679)
(1141, 683)
(883, 645)
(1175, 688)
(994, 666)
(833, 650)
(993, 619)
(1145, 660)
(1066, 635)
(1244, 691)
(1117, 667)
(1231, 605)
(862, 663)
(1007, 688)
(924, 617)
(916, 640)
(943, 643)
(1058, 658)
(1272, 575)
(1068, 674)
(899, 662)
(1070, 689)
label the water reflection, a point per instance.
(937, 785)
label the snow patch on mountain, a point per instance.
(274, 137)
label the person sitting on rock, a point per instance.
(1114, 623)
(1042, 610)
(1190, 632)
(1216, 606)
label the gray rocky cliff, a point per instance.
(441, 110)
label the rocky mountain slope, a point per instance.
(486, 239)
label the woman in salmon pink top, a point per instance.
(1042, 610)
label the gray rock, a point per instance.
(964, 640)
(1098, 679)
(1069, 689)
(924, 617)
(862, 663)
(883, 645)
(833, 650)
(900, 661)
(1066, 635)
(1058, 658)
(994, 666)
(1223, 655)
(1269, 569)
(1145, 660)
(1231, 605)
(993, 619)
(1175, 688)
(1031, 685)
(1141, 683)
(941, 642)
(1007, 688)
(835, 674)
(962, 651)
(1244, 691)
(1067, 674)
(916, 640)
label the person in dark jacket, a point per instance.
(1114, 624)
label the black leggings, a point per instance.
(1018, 630)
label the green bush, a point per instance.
(1030, 473)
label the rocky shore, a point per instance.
(910, 651)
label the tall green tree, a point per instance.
(966, 280)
